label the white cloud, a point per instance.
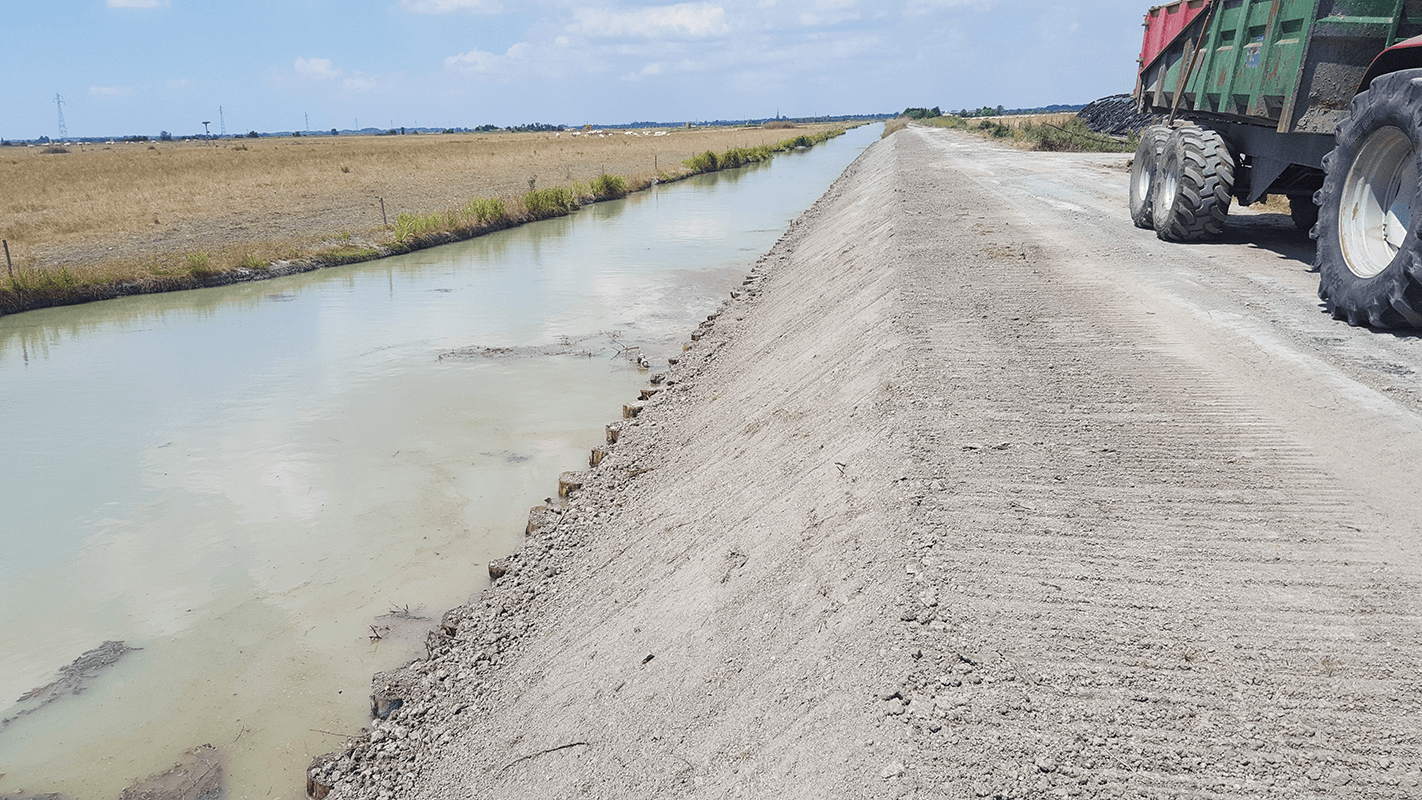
(137, 3)
(488, 63)
(927, 8)
(367, 83)
(316, 69)
(180, 83)
(830, 12)
(452, 6)
(811, 20)
(683, 19)
(650, 70)
(110, 91)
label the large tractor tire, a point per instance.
(1369, 256)
(1144, 168)
(1194, 185)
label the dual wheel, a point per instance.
(1182, 180)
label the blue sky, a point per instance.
(141, 66)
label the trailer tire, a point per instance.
(1369, 257)
(1303, 211)
(1194, 185)
(1144, 167)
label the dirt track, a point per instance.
(978, 491)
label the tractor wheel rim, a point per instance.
(1170, 186)
(1376, 210)
(1143, 180)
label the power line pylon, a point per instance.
(63, 129)
(221, 123)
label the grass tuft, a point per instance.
(554, 202)
(477, 212)
(608, 187)
(485, 209)
(32, 281)
(199, 263)
(704, 162)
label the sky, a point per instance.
(127, 67)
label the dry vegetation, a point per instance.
(1053, 132)
(167, 212)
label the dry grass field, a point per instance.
(122, 212)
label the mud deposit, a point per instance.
(973, 490)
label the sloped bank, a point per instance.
(710, 609)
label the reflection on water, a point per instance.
(247, 483)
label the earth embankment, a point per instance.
(975, 490)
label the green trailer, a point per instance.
(1316, 100)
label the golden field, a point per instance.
(126, 212)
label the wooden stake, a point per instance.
(383, 218)
(10, 267)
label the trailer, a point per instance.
(1319, 101)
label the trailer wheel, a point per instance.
(1194, 185)
(1144, 168)
(1303, 211)
(1369, 257)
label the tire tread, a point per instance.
(1206, 185)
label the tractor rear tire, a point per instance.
(1144, 168)
(1369, 255)
(1194, 185)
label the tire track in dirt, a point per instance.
(1126, 581)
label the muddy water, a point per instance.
(251, 484)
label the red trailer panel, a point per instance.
(1164, 23)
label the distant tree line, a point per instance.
(985, 111)
(990, 111)
(921, 113)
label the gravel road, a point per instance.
(976, 490)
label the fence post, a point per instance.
(384, 219)
(9, 266)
